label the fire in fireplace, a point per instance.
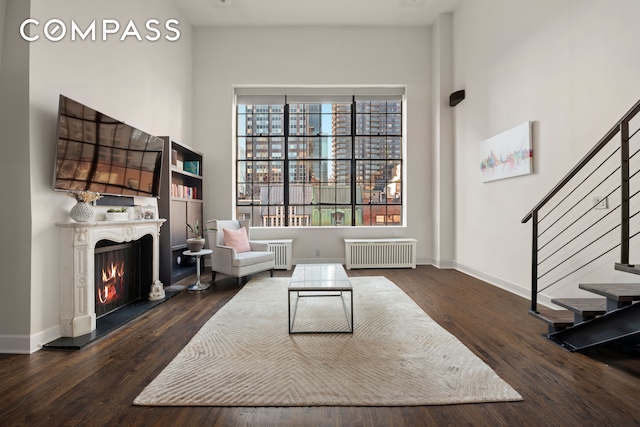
(112, 286)
(122, 274)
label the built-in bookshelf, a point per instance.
(180, 203)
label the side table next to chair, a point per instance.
(198, 286)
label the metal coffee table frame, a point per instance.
(320, 280)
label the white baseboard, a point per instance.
(503, 284)
(27, 344)
(546, 301)
(444, 264)
(15, 344)
(493, 280)
(44, 337)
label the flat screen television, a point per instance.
(98, 153)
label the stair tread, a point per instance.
(583, 306)
(628, 268)
(623, 292)
(556, 318)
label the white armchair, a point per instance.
(226, 260)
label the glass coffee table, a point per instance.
(320, 281)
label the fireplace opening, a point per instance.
(123, 273)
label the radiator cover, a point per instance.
(380, 253)
(283, 248)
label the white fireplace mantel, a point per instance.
(77, 288)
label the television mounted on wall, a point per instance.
(98, 153)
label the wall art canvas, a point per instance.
(507, 155)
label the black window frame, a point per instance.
(365, 202)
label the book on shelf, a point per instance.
(192, 166)
(184, 192)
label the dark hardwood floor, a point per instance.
(96, 385)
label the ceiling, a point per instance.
(265, 13)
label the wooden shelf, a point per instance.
(185, 173)
(178, 210)
(182, 199)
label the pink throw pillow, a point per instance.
(237, 239)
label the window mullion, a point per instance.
(353, 162)
(286, 181)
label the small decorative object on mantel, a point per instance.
(117, 214)
(195, 244)
(83, 211)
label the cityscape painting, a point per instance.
(507, 155)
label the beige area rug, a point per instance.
(397, 355)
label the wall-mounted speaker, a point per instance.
(455, 98)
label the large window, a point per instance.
(336, 161)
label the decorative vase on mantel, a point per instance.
(81, 212)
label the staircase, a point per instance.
(574, 235)
(589, 322)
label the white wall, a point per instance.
(572, 68)
(313, 56)
(15, 256)
(147, 84)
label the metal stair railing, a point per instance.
(568, 234)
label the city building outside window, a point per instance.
(319, 160)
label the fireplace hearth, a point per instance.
(109, 322)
